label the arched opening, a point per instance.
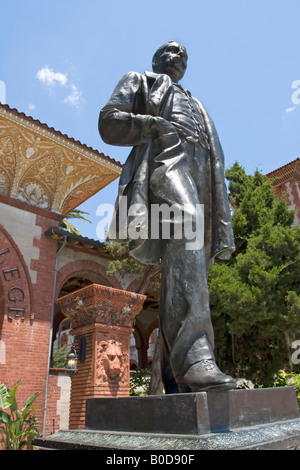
(152, 343)
(142, 348)
(75, 283)
(134, 358)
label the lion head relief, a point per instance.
(110, 361)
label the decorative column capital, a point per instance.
(101, 305)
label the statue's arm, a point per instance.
(119, 121)
(123, 120)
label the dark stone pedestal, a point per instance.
(192, 413)
(236, 419)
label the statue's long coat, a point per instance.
(124, 121)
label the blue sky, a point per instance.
(61, 59)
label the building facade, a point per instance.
(286, 181)
(39, 184)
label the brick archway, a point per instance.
(151, 328)
(91, 270)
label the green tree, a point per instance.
(59, 357)
(283, 379)
(255, 297)
(123, 264)
(140, 382)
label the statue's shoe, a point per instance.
(205, 376)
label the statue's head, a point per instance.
(171, 59)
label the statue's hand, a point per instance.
(159, 127)
(163, 135)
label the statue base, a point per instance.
(236, 419)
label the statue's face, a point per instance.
(172, 61)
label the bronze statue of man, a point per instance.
(176, 160)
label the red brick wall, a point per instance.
(25, 333)
(291, 188)
(53, 421)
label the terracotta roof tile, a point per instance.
(285, 172)
(291, 165)
(75, 240)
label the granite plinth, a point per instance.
(277, 436)
(235, 419)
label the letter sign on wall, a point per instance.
(15, 280)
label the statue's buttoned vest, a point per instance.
(187, 117)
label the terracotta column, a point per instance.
(101, 320)
(143, 356)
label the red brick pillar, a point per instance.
(102, 323)
(143, 356)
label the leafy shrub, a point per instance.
(282, 378)
(140, 382)
(17, 428)
(59, 357)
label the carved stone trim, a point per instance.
(101, 304)
(45, 170)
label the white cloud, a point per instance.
(289, 110)
(31, 106)
(75, 97)
(50, 78)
